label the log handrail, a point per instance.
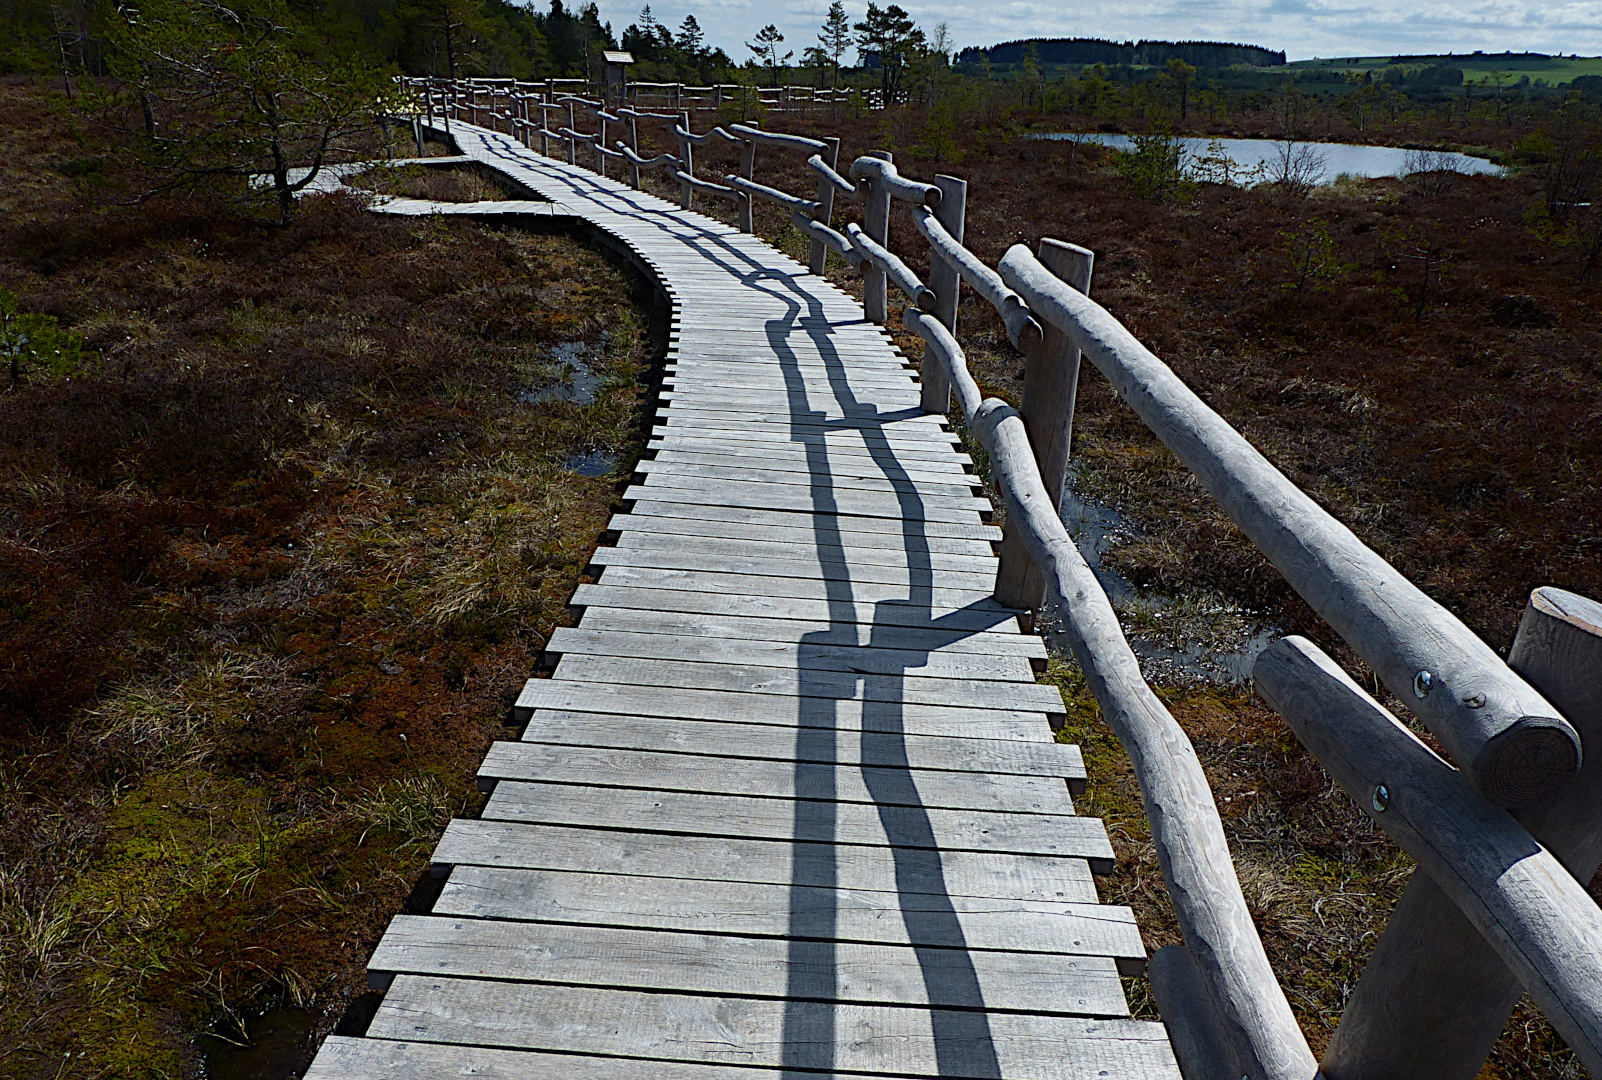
(830, 239)
(892, 266)
(1251, 1010)
(884, 173)
(664, 160)
(1022, 329)
(1522, 900)
(1516, 747)
(840, 183)
(774, 195)
(705, 187)
(774, 138)
(703, 139)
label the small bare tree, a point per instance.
(1429, 171)
(1296, 168)
(238, 91)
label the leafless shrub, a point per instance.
(1429, 171)
(1296, 168)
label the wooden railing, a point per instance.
(1503, 841)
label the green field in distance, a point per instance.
(1476, 67)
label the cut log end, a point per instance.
(1527, 763)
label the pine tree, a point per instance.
(835, 39)
(890, 34)
(690, 37)
(766, 46)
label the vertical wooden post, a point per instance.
(545, 125)
(1051, 379)
(818, 259)
(876, 223)
(717, 96)
(600, 158)
(747, 170)
(946, 284)
(634, 144)
(1434, 997)
(678, 97)
(687, 160)
(572, 143)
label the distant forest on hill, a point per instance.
(1208, 54)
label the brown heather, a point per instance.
(272, 568)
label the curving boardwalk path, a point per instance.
(789, 805)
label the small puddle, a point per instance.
(278, 1046)
(1201, 638)
(581, 382)
(592, 463)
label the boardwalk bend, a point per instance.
(790, 800)
(790, 805)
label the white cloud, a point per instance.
(1303, 28)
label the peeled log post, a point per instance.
(1521, 899)
(1432, 971)
(747, 173)
(634, 146)
(876, 219)
(1189, 837)
(687, 158)
(1516, 747)
(1051, 379)
(946, 284)
(817, 258)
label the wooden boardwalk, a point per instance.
(790, 804)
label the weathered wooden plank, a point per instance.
(345, 1058)
(823, 568)
(808, 656)
(819, 781)
(938, 460)
(633, 528)
(686, 371)
(793, 497)
(804, 460)
(822, 477)
(1007, 770)
(912, 554)
(858, 526)
(703, 859)
(812, 683)
(691, 814)
(1002, 641)
(738, 707)
(827, 579)
(761, 967)
(839, 613)
(782, 910)
(772, 1033)
(854, 439)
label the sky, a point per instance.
(1303, 28)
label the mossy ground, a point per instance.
(273, 565)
